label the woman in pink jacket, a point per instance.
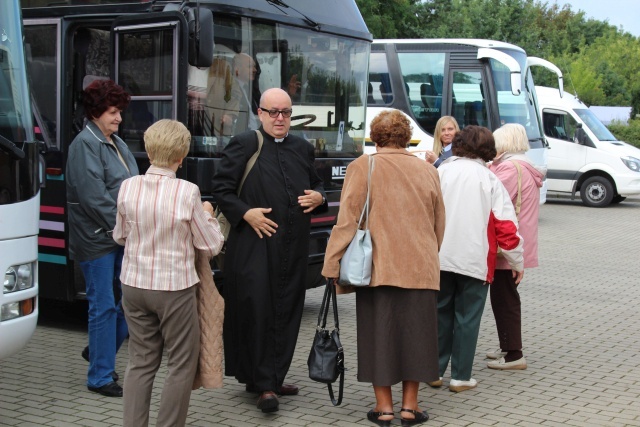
(523, 181)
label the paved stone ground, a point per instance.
(581, 337)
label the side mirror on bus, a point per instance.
(200, 37)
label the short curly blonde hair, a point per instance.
(166, 142)
(391, 128)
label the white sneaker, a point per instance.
(496, 354)
(519, 364)
(458, 386)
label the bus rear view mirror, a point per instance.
(200, 37)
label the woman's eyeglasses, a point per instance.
(274, 113)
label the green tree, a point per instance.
(600, 59)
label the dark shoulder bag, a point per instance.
(326, 359)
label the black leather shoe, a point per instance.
(268, 402)
(419, 417)
(111, 389)
(288, 390)
(85, 356)
(374, 417)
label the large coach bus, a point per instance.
(479, 82)
(176, 59)
(19, 190)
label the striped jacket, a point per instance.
(160, 221)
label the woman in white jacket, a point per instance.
(480, 218)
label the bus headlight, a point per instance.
(10, 311)
(18, 278)
(632, 163)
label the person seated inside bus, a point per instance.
(387, 96)
(370, 99)
(244, 93)
(221, 106)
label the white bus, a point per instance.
(479, 82)
(19, 190)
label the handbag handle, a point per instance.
(365, 209)
(329, 296)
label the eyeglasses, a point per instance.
(274, 113)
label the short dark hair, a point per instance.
(474, 142)
(390, 128)
(101, 95)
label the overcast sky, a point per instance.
(625, 13)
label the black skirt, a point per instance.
(397, 335)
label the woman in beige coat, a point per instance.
(396, 314)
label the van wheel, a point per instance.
(617, 199)
(596, 192)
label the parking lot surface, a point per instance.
(581, 333)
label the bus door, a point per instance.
(467, 85)
(423, 72)
(149, 56)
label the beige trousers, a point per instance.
(160, 320)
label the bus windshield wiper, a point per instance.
(305, 18)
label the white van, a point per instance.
(584, 156)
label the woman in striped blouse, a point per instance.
(161, 222)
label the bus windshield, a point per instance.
(521, 108)
(18, 176)
(324, 74)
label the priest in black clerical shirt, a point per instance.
(267, 249)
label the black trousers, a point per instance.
(505, 302)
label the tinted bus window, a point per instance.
(423, 74)
(468, 102)
(322, 74)
(379, 89)
(42, 52)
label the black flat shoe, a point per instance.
(420, 417)
(111, 389)
(85, 356)
(374, 416)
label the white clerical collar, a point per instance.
(281, 139)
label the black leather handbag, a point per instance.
(326, 359)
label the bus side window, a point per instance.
(379, 80)
(422, 73)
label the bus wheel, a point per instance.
(596, 192)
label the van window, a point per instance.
(559, 125)
(595, 125)
(423, 74)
